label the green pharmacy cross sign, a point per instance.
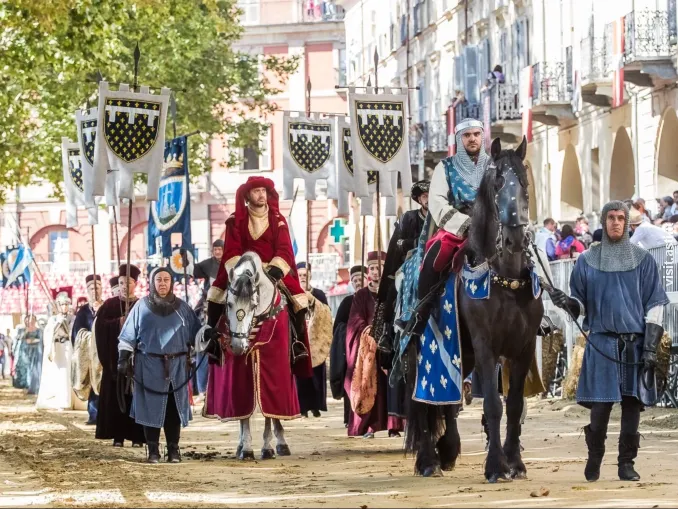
(338, 230)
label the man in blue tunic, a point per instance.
(161, 330)
(616, 286)
(82, 325)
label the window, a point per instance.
(254, 161)
(250, 11)
(341, 67)
(58, 248)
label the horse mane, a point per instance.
(482, 234)
(243, 286)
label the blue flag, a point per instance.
(19, 259)
(172, 212)
(3, 270)
(295, 247)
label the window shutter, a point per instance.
(471, 73)
(458, 74)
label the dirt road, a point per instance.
(52, 459)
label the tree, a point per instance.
(51, 51)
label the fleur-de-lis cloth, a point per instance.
(308, 154)
(380, 128)
(344, 164)
(71, 163)
(130, 138)
(439, 361)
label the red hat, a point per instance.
(243, 191)
(65, 289)
(375, 256)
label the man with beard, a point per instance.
(312, 392)
(209, 268)
(338, 348)
(368, 410)
(161, 330)
(616, 286)
(82, 330)
(112, 423)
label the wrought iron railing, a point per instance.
(595, 57)
(648, 35)
(504, 102)
(435, 136)
(550, 83)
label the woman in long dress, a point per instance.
(28, 355)
(56, 387)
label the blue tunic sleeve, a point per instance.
(130, 330)
(193, 323)
(578, 281)
(652, 291)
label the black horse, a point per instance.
(505, 325)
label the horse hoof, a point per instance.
(267, 454)
(283, 450)
(238, 451)
(494, 478)
(246, 455)
(432, 472)
(447, 467)
(518, 474)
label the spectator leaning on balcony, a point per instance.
(647, 235)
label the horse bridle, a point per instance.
(500, 232)
(271, 310)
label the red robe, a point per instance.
(361, 316)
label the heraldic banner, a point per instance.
(86, 124)
(308, 154)
(71, 162)
(171, 213)
(131, 134)
(344, 165)
(380, 129)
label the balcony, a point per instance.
(505, 115)
(435, 136)
(552, 93)
(649, 43)
(468, 110)
(596, 69)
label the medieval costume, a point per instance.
(616, 286)
(112, 423)
(28, 356)
(312, 392)
(81, 337)
(232, 388)
(206, 270)
(55, 387)
(114, 286)
(338, 348)
(159, 333)
(365, 382)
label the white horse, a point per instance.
(251, 300)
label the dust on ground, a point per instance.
(51, 459)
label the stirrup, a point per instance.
(299, 351)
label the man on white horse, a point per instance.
(258, 226)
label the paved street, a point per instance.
(51, 459)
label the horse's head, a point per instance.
(243, 300)
(501, 209)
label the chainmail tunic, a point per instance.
(611, 256)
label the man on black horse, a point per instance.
(616, 286)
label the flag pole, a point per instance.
(308, 202)
(378, 225)
(362, 249)
(137, 56)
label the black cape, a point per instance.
(312, 392)
(338, 348)
(111, 422)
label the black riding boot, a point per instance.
(628, 450)
(153, 452)
(173, 454)
(595, 441)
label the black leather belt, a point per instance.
(167, 357)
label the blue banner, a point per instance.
(172, 212)
(17, 263)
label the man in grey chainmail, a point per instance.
(616, 286)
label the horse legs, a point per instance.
(422, 425)
(449, 445)
(267, 452)
(245, 449)
(496, 466)
(514, 411)
(281, 448)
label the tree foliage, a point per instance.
(51, 51)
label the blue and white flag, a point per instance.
(172, 212)
(295, 247)
(20, 271)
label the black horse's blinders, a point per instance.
(511, 213)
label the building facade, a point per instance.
(561, 63)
